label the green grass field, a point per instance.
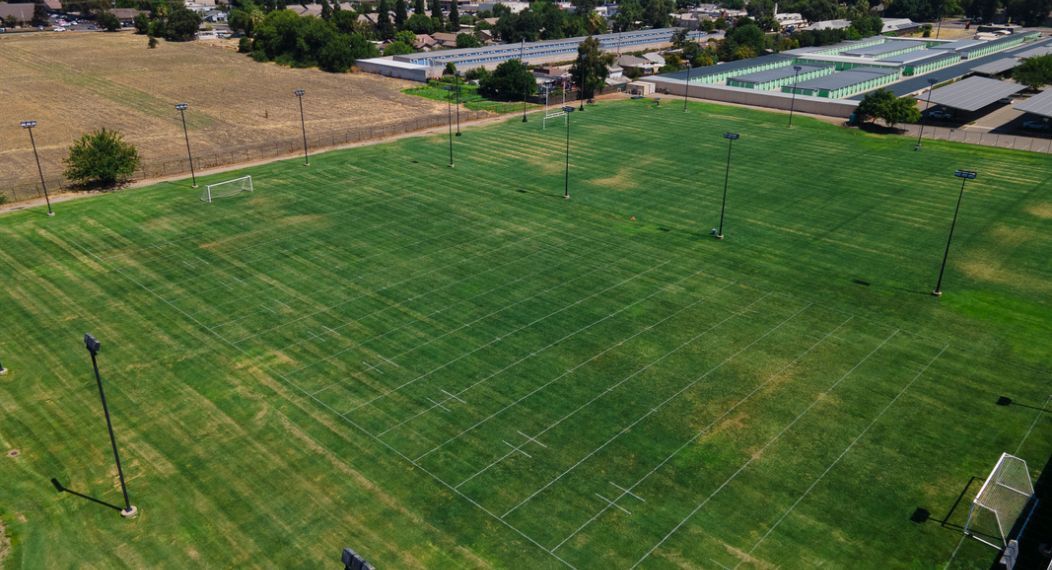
(455, 367)
(469, 97)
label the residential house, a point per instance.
(640, 64)
(424, 42)
(125, 15)
(20, 13)
(445, 39)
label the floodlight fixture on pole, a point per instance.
(456, 82)
(965, 176)
(303, 126)
(931, 87)
(449, 116)
(93, 347)
(28, 125)
(792, 102)
(182, 107)
(731, 137)
(686, 86)
(566, 176)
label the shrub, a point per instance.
(101, 159)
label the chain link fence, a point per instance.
(28, 187)
(985, 138)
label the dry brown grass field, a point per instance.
(76, 82)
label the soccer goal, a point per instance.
(553, 112)
(1000, 502)
(226, 189)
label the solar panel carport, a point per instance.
(974, 93)
(1040, 104)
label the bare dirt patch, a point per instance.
(5, 544)
(1043, 211)
(74, 83)
(14, 453)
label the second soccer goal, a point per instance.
(226, 189)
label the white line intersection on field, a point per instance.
(614, 504)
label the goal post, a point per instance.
(1000, 502)
(226, 189)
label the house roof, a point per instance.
(654, 58)
(632, 61)
(125, 13)
(443, 37)
(53, 5)
(22, 12)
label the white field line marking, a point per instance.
(384, 288)
(843, 453)
(316, 392)
(492, 342)
(535, 295)
(610, 503)
(452, 396)
(954, 553)
(759, 452)
(354, 424)
(439, 405)
(432, 314)
(710, 425)
(656, 408)
(626, 492)
(530, 438)
(514, 448)
(496, 373)
(570, 371)
(1037, 417)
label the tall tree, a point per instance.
(400, 14)
(418, 7)
(384, 27)
(589, 71)
(326, 10)
(1028, 12)
(1034, 72)
(436, 14)
(454, 17)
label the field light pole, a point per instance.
(731, 137)
(2, 369)
(456, 82)
(792, 103)
(182, 107)
(303, 126)
(28, 125)
(525, 90)
(931, 87)
(686, 88)
(93, 347)
(449, 115)
(566, 176)
(965, 176)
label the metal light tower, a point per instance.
(182, 113)
(449, 114)
(931, 86)
(566, 177)
(93, 347)
(792, 103)
(522, 60)
(303, 126)
(731, 137)
(686, 88)
(28, 125)
(965, 176)
(456, 82)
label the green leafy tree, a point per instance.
(384, 27)
(244, 44)
(1028, 12)
(468, 41)
(420, 24)
(419, 7)
(405, 36)
(152, 42)
(436, 14)
(629, 16)
(398, 48)
(101, 159)
(182, 25)
(454, 18)
(657, 13)
(401, 14)
(336, 56)
(40, 17)
(589, 71)
(883, 104)
(508, 82)
(107, 21)
(326, 10)
(1034, 72)
(346, 21)
(142, 23)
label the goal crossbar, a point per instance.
(226, 189)
(1000, 502)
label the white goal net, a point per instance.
(1000, 502)
(226, 189)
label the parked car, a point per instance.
(940, 114)
(1040, 124)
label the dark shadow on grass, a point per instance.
(1038, 408)
(945, 521)
(61, 489)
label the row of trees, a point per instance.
(173, 22)
(289, 39)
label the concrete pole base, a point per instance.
(566, 196)
(719, 236)
(936, 293)
(131, 512)
(52, 214)
(3, 371)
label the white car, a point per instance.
(59, 29)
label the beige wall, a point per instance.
(768, 99)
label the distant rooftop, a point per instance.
(846, 78)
